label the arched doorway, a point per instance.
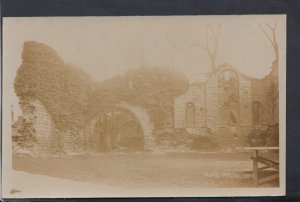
(121, 127)
(116, 129)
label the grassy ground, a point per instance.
(145, 170)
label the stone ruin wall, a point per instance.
(245, 89)
(34, 112)
(211, 92)
(196, 95)
(146, 124)
(204, 96)
(250, 90)
(48, 138)
(179, 112)
(263, 93)
(72, 142)
(206, 101)
(51, 140)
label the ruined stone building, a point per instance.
(226, 99)
(121, 125)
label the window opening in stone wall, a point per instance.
(190, 115)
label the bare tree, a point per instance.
(212, 49)
(272, 38)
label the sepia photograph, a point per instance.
(144, 106)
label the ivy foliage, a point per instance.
(72, 98)
(152, 88)
(61, 88)
(24, 133)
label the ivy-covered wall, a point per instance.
(69, 99)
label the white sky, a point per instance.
(106, 46)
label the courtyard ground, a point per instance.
(120, 171)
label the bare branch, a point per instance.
(211, 48)
(212, 31)
(270, 27)
(267, 35)
(207, 45)
(272, 39)
(213, 52)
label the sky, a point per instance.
(106, 46)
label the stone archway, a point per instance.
(140, 120)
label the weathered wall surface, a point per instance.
(48, 138)
(43, 127)
(211, 97)
(245, 101)
(72, 141)
(179, 112)
(195, 95)
(144, 120)
(34, 112)
(212, 102)
(206, 98)
(262, 91)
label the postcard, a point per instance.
(144, 106)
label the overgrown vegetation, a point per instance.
(182, 139)
(263, 137)
(152, 88)
(205, 142)
(63, 90)
(72, 98)
(23, 135)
